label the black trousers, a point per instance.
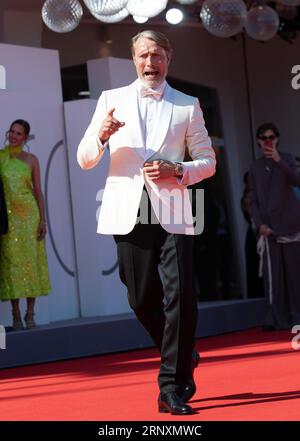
(284, 312)
(166, 305)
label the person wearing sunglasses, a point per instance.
(275, 211)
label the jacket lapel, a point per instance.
(133, 120)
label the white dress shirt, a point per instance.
(149, 108)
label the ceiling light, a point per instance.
(139, 19)
(174, 16)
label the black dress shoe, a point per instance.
(190, 388)
(170, 402)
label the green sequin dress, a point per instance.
(23, 259)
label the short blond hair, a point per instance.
(158, 37)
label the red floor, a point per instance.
(249, 375)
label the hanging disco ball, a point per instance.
(62, 15)
(262, 23)
(223, 18)
(289, 2)
(105, 7)
(146, 8)
(113, 18)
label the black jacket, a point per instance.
(272, 198)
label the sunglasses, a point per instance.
(267, 138)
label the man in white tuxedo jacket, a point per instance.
(147, 127)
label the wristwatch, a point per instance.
(178, 170)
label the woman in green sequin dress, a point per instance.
(23, 260)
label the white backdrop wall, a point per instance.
(101, 292)
(33, 92)
(108, 73)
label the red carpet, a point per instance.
(248, 375)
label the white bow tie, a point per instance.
(156, 94)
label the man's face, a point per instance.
(151, 62)
(268, 140)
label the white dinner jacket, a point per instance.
(178, 125)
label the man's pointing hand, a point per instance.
(109, 126)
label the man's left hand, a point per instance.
(159, 169)
(271, 152)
